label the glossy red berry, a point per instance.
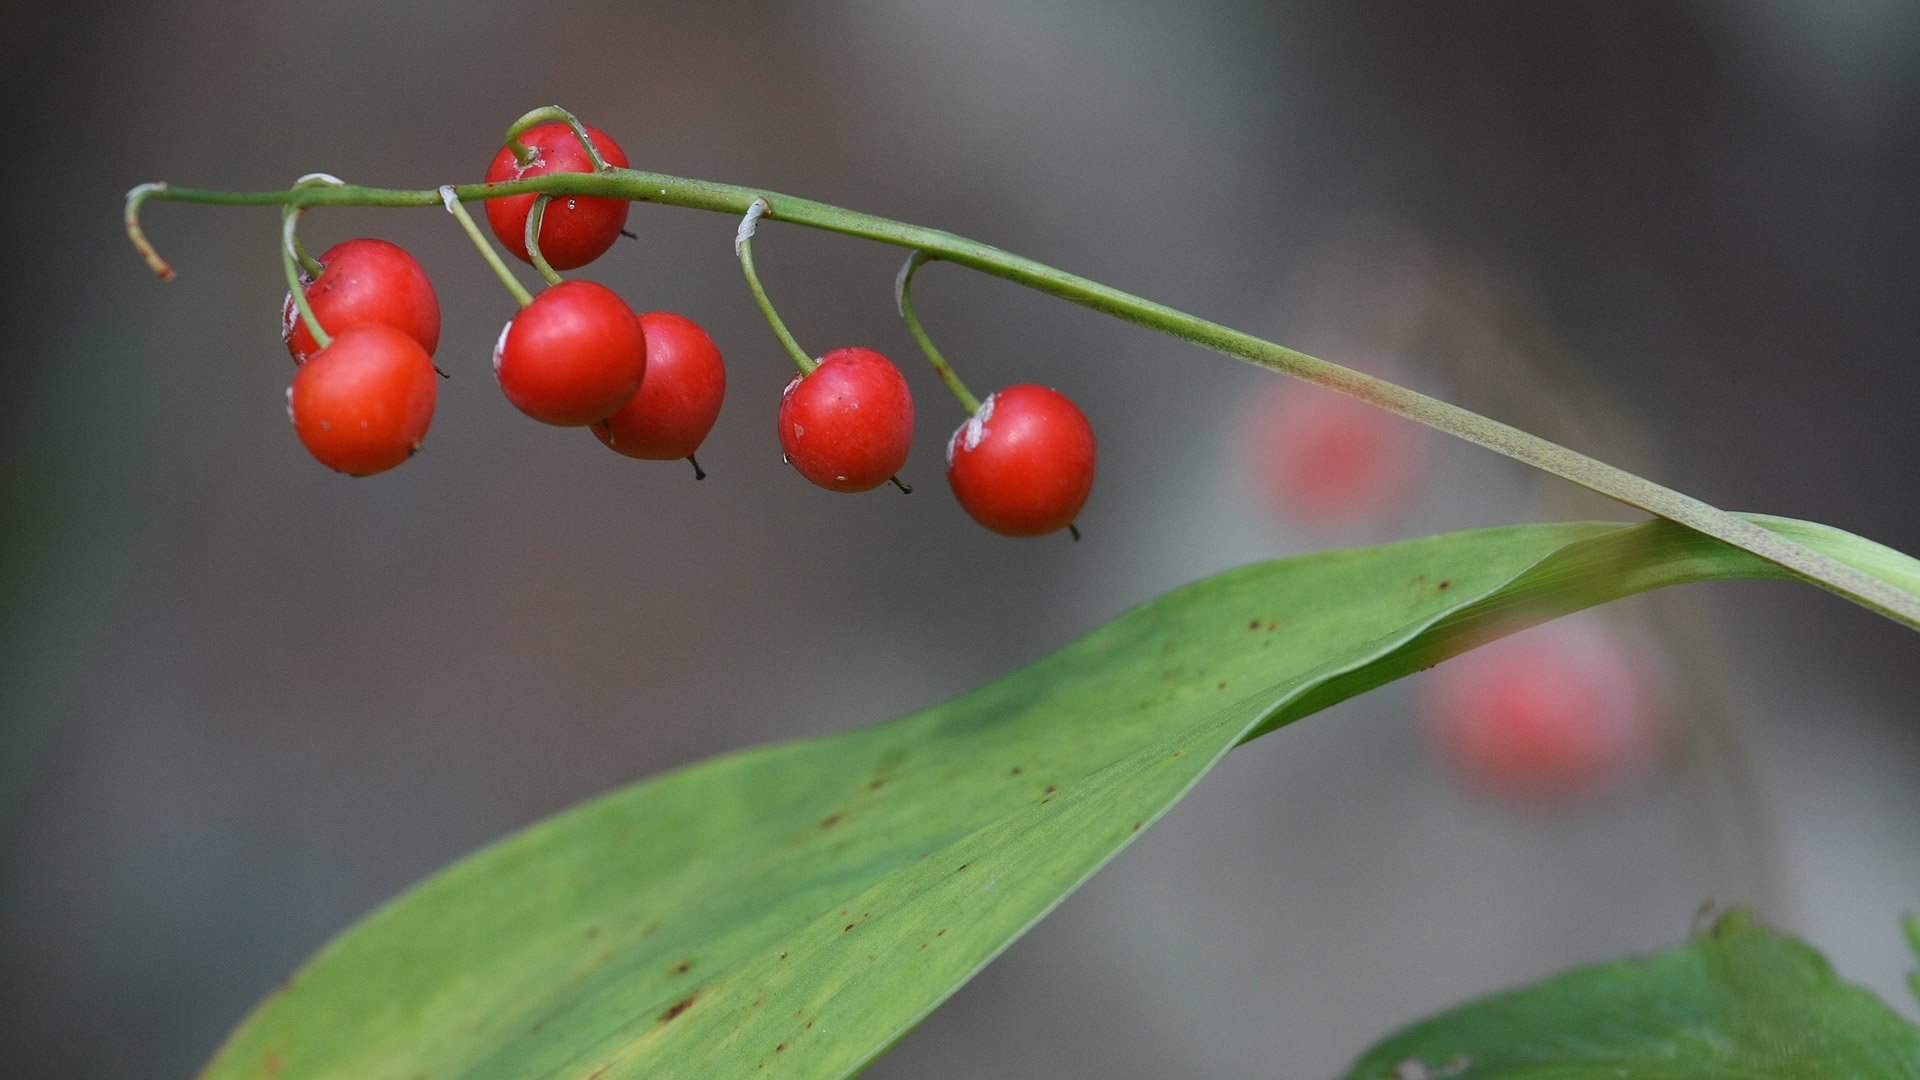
(574, 229)
(1023, 464)
(678, 400)
(849, 425)
(573, 356)
(365, 281)
(1329, 461)
(1552, 713)
(362, 404)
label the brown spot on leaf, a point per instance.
(942, 932)
(1445, 585)
(877, 783)
(676, 1009)
(1223, 684)
(683, 967)
(1016, 771)
(1137, 825)
(1050, 789)
(781, 1049)
(831, 820)
(1254, 625)
(849, 927)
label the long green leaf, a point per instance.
(1738, 1002)
(796, 909)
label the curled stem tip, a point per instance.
(905, 488)
(743, 235)
(140, 194)
(310, 265)
(524, 154)
(698, 472)
(534, 217)
(289, 220)
(903, 299)
(743, 247)
(450, 198)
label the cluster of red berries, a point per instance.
(649, 385)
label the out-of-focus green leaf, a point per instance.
(1738, 1001)
(796, 909)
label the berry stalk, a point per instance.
(903, 299)
(743, 247)
(289, 218)
(451, 199)
(540, 263)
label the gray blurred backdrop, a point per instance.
(246, 699)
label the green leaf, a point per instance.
(794, 910)
(1738, 1001)
(1913, 941)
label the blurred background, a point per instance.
(244, 699)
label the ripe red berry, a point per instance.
(573, 356)
(365, 281)
(1023, 464)
(574, 229)
(849, 425)
(678, 400)
(1329, 461)
(1555, 712)
(362, 404)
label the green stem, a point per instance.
(309, 265)
(743, 247)
(903, 298)
(639, 186)
(523, 153)
(290, 217)
(534, 217)
(449, 197)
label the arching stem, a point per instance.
(523, 153)
(639, 186)
(452, 200)
(903, 299)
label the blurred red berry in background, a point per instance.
(1327, 461)
(1554, 713)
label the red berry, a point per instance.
(1555, 712)
(365, 281)
(362, 404)
(575, 229)
(849, 425)
(678, 400)
(573, 356)
(1023, 464)
(1330, 461)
